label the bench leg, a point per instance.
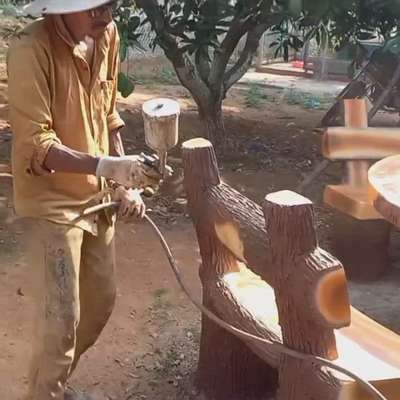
(362, 247)
(227, 368)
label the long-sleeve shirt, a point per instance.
(55, 96)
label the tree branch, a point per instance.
(203, 64)
(246, 57)
(184, 67)
(167, 41)
(237, 30)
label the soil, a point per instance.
(149, 348)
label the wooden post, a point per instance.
(304, 276)
(227, 369)
(356, 116)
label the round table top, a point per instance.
(384, 178)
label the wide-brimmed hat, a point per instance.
(39, 7)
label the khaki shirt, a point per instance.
(55, 97)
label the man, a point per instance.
(62, 91)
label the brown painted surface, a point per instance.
(343, 143)
(332, 298)
(352, 201)
(309, 289)
(228, 368)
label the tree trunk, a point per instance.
(212, 119)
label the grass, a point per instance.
(255, 96)
(165, 76)
(307, 100)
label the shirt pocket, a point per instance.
(107, 88)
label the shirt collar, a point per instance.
(62, 31)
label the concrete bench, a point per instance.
(361, 235)
(263, 272)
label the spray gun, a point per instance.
(161, 117)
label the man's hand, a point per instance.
(131, 203)
(129, 171)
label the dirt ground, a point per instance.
(149, 348)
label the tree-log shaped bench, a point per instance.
(361, 236)
(262, 271)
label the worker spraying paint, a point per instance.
(67, 148)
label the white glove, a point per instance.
(131, 203)
(129, 171)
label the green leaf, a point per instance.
(125, 85)
(123, 50)
(176, 9)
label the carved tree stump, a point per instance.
(307, 281)
(227, 369)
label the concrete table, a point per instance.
(384, 179)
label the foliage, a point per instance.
(128, 21)
(125, 84)
(286, 37)
(336, 23)
(255, 96)
(200, 37)
(198, 24)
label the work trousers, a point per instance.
(75, 296)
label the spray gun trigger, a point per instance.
(153, 161)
